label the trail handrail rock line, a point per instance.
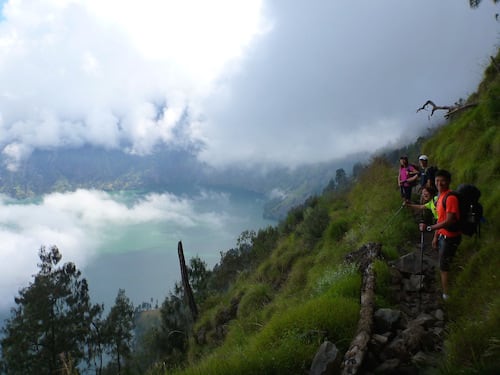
(364, 257)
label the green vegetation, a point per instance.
(272, 314)
(274, 298)
(56, 329)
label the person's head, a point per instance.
(442, 180)
(403, 161)
(427, 194)
(423, 159)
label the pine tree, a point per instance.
(118, 330)
(51, 322)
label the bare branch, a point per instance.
(451, 109)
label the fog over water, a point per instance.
(122, 240)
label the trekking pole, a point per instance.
(421, 269)
(392, 218)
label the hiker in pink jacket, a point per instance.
(407, 178)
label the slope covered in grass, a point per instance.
(469, 147)
(274, 315)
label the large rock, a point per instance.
(326, 361)
(409, 263)
(413, 338)
(386, 320)
(413, 263)
(424, 320)
(396, 349)
(413, 284)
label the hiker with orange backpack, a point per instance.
(447, 235)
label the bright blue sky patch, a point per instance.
(2, 3)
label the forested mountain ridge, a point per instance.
(177, 171)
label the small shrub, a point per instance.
(390, 252)
(337, 228)
(316, 220)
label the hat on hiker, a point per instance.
(422, 157)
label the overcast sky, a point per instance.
(285, 82)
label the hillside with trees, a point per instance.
(272, 300)
(171, 170)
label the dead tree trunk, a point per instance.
(188, 292)
(353, 358)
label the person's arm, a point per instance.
(399, 179)
(412, 174)
(415, 206)
(451, 219)
(435, 240)
(451, 216)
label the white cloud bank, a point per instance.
(116, 74)
(284, 82)
(81, 223)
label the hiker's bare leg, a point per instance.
(444, 281)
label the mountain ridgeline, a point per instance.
(172, 170)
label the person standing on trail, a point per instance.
(447, 236)
(426, 173)
(428, 207)
(408, 174)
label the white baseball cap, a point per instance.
(422, 157)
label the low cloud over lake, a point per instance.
(86, 224)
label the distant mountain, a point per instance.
(174, 170)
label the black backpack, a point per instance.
(429, 175)
(471, 211)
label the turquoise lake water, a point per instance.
(143, 258)
(123, 240)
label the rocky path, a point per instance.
(405, 339)
(408, 338)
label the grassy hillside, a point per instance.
(299, 292)
(469, 147)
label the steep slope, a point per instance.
(469, 147)
(298, 291)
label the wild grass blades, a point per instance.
(333, 277)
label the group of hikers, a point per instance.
(439, 208)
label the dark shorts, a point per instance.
(447, 249)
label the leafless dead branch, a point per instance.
(451, 109)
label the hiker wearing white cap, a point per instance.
(426, 173)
